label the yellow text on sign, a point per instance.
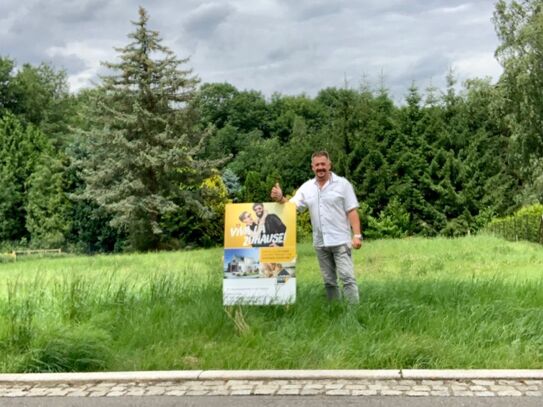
(277, 254)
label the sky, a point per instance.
(273, 46)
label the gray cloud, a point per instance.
(317, 9)
(272, 46)
(72, 64)
(7, 8)
(68, 11)
(203, 21)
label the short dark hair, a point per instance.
(321, 153)
(258, 204)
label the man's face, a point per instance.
(259, 210)
(321, 167)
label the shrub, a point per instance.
(525, 224)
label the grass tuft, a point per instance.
(80, 348)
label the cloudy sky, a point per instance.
(285, 46)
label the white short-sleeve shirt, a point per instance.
(328, 208)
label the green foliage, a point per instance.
(292, 160)
(37, 95)
(91, 229)
(304, 231)
(130, 177)
(141, 164)
(225, 142)
(231, 182)
(21, 148)
(254, 188)
(201, 226)
(444, 161)
(285, 111)
(7, 99)
(519, 25)
(35, 112)
(525, 224)
(340, 107)
(393, 222)
(48, 208)
(214, 103)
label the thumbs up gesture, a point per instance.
(277, 193)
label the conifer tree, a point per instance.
(47, 206)
(20, 149)
(141, 161)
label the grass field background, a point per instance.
(473, 302)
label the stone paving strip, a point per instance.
(411, 383)
(300, 387)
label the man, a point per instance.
(273, 228)
(332, 207)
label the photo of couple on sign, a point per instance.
(262, 229)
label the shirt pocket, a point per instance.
(333, 199)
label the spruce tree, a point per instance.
(141, 165)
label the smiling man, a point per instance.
(272, 227)
(332, 207)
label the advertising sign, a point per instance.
(259, 254)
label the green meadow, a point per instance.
(473, 302)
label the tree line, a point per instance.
(147, 158)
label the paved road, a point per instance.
(273, 401)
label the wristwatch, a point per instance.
(358, 236)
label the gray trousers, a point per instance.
(337, 261)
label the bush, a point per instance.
(303, 227)
(393, 221)
(525, 224)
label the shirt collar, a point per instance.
(330, 180)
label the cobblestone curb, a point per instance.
(413, 383)
(314, 387)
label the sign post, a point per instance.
(259, 254)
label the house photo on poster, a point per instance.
(259, 254)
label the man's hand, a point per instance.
(356, 242)
(276, 193)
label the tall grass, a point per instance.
(425, 303)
